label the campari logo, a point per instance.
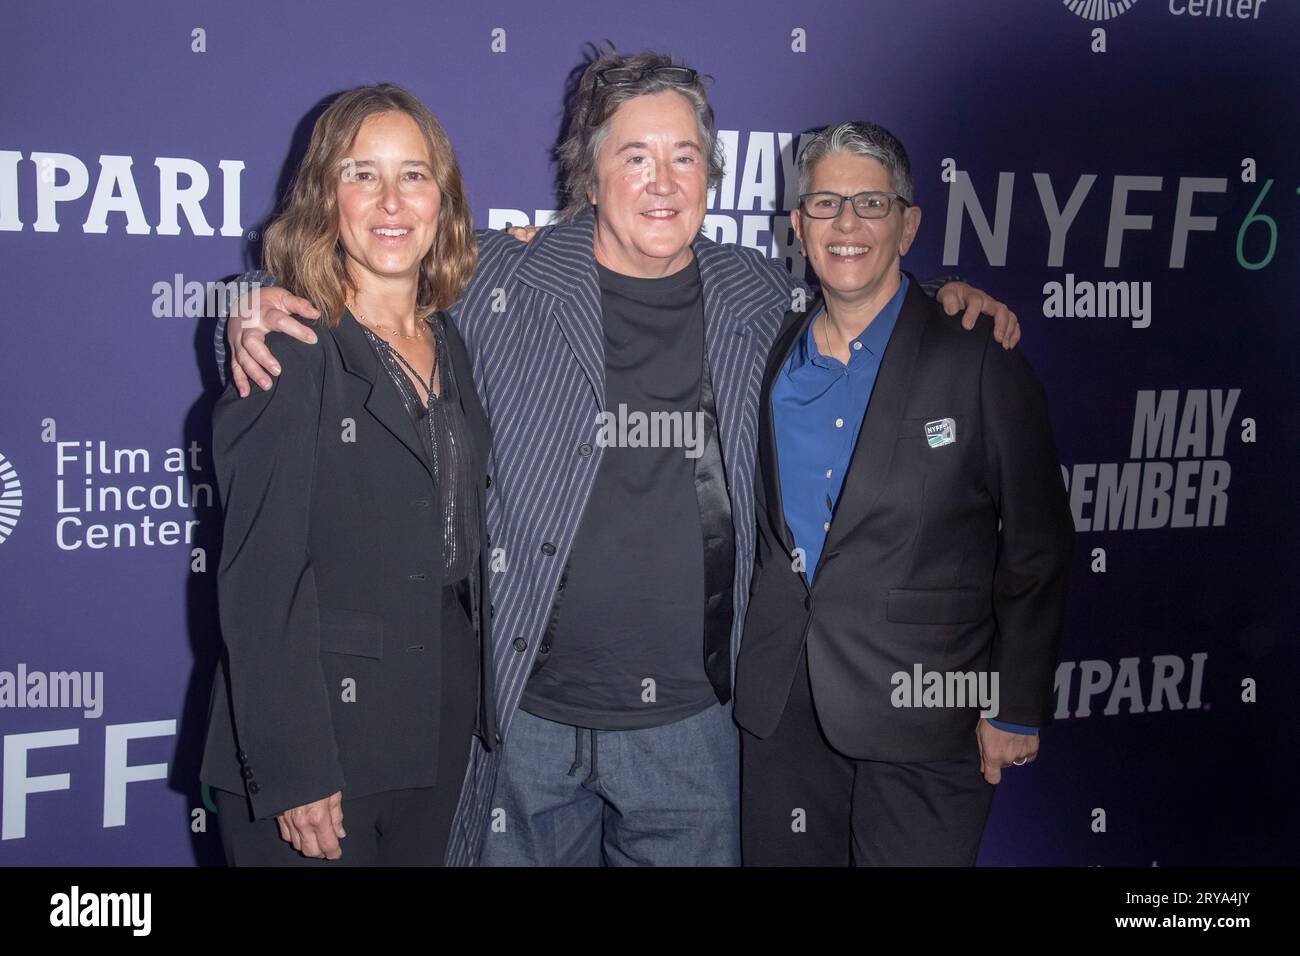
(1099, 9)
(11, 498)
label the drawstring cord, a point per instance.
(593, 776)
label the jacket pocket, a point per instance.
(344, 631)
(944, 606)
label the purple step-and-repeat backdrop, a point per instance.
(1122, 172)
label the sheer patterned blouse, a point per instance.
(445, 434)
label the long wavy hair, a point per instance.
(301, 247)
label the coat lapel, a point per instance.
(877, 438)
(382, 400)
(563, 264)
(734, 301)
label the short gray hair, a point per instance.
(859, 138)
(592, 111)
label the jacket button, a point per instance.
(246, 773)
(487, 481)
(520, 644)
(545, 648)
(241, 756)
(548, 549)
(253, 788)
(585, 449)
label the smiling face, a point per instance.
(388, 200)
(855, 258)
(651, 186)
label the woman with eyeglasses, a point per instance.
(913, 542)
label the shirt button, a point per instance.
(585, 450)
(548, 549)
(826, 526)
(520, 644)
(487, 481)
(839, 423)
(857, 346)
(828, 472)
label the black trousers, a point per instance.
(394, 827)
(802, 803)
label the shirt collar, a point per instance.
(874, 338)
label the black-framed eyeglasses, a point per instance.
(626, 75)
(867, 205)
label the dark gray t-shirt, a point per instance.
(626, 649)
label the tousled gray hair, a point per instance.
(859, 138)
(592, 112)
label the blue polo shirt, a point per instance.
(818, 404)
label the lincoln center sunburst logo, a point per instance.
(11, 498)
(1099, 9)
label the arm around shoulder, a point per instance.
(258, 278)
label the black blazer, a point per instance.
(331, 570)
(915, 569)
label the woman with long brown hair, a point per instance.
(352, 583)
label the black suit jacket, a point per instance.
(915, 569)
(330, 582)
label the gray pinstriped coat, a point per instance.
(539, 366)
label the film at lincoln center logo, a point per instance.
(1099, 9)
(11, 497)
